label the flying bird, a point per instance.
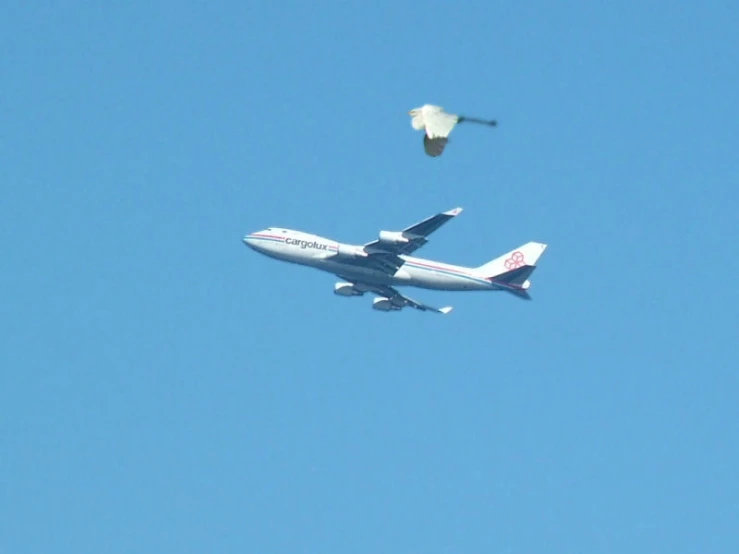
(437, 125)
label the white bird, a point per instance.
(437, 125)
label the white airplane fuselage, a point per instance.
(344, 261)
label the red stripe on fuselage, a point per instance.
(443, 268)
(266, 236)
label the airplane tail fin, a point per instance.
(513, 269)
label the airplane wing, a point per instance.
(414, 236)
(397, 300)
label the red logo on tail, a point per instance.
(516, 260)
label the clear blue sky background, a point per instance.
(165, 389)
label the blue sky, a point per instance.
(166, 389)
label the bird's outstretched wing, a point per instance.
(436, 125)
(438, 122)
(434, 147)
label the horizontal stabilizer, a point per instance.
(521, 293)
(516, 276)
(511, 271)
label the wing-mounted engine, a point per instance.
(384, 305)
(347, 289)
(349, 251)
(393, 237)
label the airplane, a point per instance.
(385, 263)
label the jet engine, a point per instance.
(384, 305)
(347, 289)
(349, 251)
(392, 237)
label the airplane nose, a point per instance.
(249, 241)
